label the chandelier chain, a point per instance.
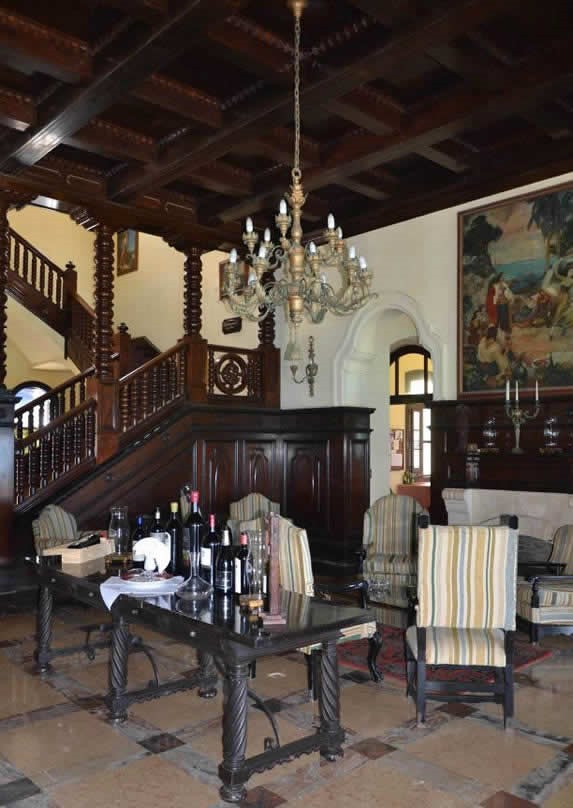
(296, 167)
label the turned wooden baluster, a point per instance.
(33, 468)
(154, 388)
(124, 406)
(211, 373)
(50, 293)
(17, 266)
(44, 463)
(267, 326)
(103, 295)
(34, 271)
(192, 294)
(144, 387)
(90, 433)
(163, 389)
(67, 436)
(19, 475)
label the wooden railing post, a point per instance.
(271, 356)
(70, 282)
(196, 361)
(7, 401)
(122, 346)
(105, 382)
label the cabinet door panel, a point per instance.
(306, 483)
(220, 475)
(259, 471)
(357, 486)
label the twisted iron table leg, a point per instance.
(43, 652)
(231, 769)
(208, 675)
(329, 703)
(119, 653)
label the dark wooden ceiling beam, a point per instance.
(157, 49)
(182, 99)
(222, 178)
(278, 145)
(389, 13)
(17, 111)
(442, 159)
(30, 47)
(190, 153)
(147, 10)
(365, 189)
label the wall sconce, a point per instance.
(310, 371)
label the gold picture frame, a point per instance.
(127, 251)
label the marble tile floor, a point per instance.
(58, 750)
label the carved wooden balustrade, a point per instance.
(234, 374)
(79, 337)
(63, 446)
(152, 387)
(36, 270)
(53, 404)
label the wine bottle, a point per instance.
(225, 566)
(138, 533)
(195, 527)
(241, 566)
(175, 530)
(209, 550)
(157, 526)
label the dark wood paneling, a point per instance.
(219, 470)
(306, 483)
(259, 468)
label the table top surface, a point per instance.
(305, 618)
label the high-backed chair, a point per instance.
(296, 575)
(465, 612)
(55, 526)
(389, 541)
(253, 506)
(545, 600)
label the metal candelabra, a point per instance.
(517, 415)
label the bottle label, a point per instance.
(206, 557)
(224, 580)
(238, 576)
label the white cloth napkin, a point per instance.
(115, 586)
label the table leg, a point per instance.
(208, 675)
(118, 656)
(374, 647)
(43, 651)
(329, 703)
(231, 769)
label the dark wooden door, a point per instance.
(305, 494)
(259, 468)
(219, 474)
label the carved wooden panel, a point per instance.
(357, 484)
(258, 472)
(219, 477)
(306, 483)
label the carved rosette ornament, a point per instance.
(192, 294)
(103, 295)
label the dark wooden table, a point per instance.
(227, 643)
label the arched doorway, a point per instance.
(362, 369)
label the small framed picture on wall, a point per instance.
(127, 251)
(396, 449)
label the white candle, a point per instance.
(507, 391)
(249, 225)
(267, 236)
(283, 207)
(517, 392)
(312, 248)
(233, 256)
(536, 392)
(330, 222)
(352, 253)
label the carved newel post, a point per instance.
(271, 356)
(192, 323)
(7, 403)
(105, 385)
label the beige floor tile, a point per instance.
(17, 626)
(277, 676)
(180, 710)
(139, 672)
(562, 799)
(22, 693)
(64, 742)
(541, 709)
(497, 758)
(373, 785)
(146, 783)
(370, 710)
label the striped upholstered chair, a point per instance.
(545, 600)
(295, 570)
(55, 526)
(465, 612)
(389, 541)
(253, 506)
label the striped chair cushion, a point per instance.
(252, 506)
(389, 564)
(467, 577)
(544, 615)
(390, 526)
(466, 646)
(562, 552)
(363, 632)
(54, 526)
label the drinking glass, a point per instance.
(258, 559)
(118, 530)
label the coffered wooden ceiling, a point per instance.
(175, 116)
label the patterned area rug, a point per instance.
(391, 660)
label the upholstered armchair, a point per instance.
(545, 600)
(53, 527)
(389, 541)
(295, 571)
(465, 612)
(252, 507)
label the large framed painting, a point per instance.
(127, 251)
(515, 295)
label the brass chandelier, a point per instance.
(303, 286)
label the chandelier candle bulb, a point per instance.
(249, 225)
(363, 263)
(507, 391)
(267, 236)
(517, 392)
(339, 232)
(330, 222)
(233, 256)
(312, 248)
(352, 253)
(537, 391)
(283, 207)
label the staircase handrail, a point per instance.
(56, 394)
(52, 267)
(157, 360)
(84, 304)
(22, 443)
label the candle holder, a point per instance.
(518, 416)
